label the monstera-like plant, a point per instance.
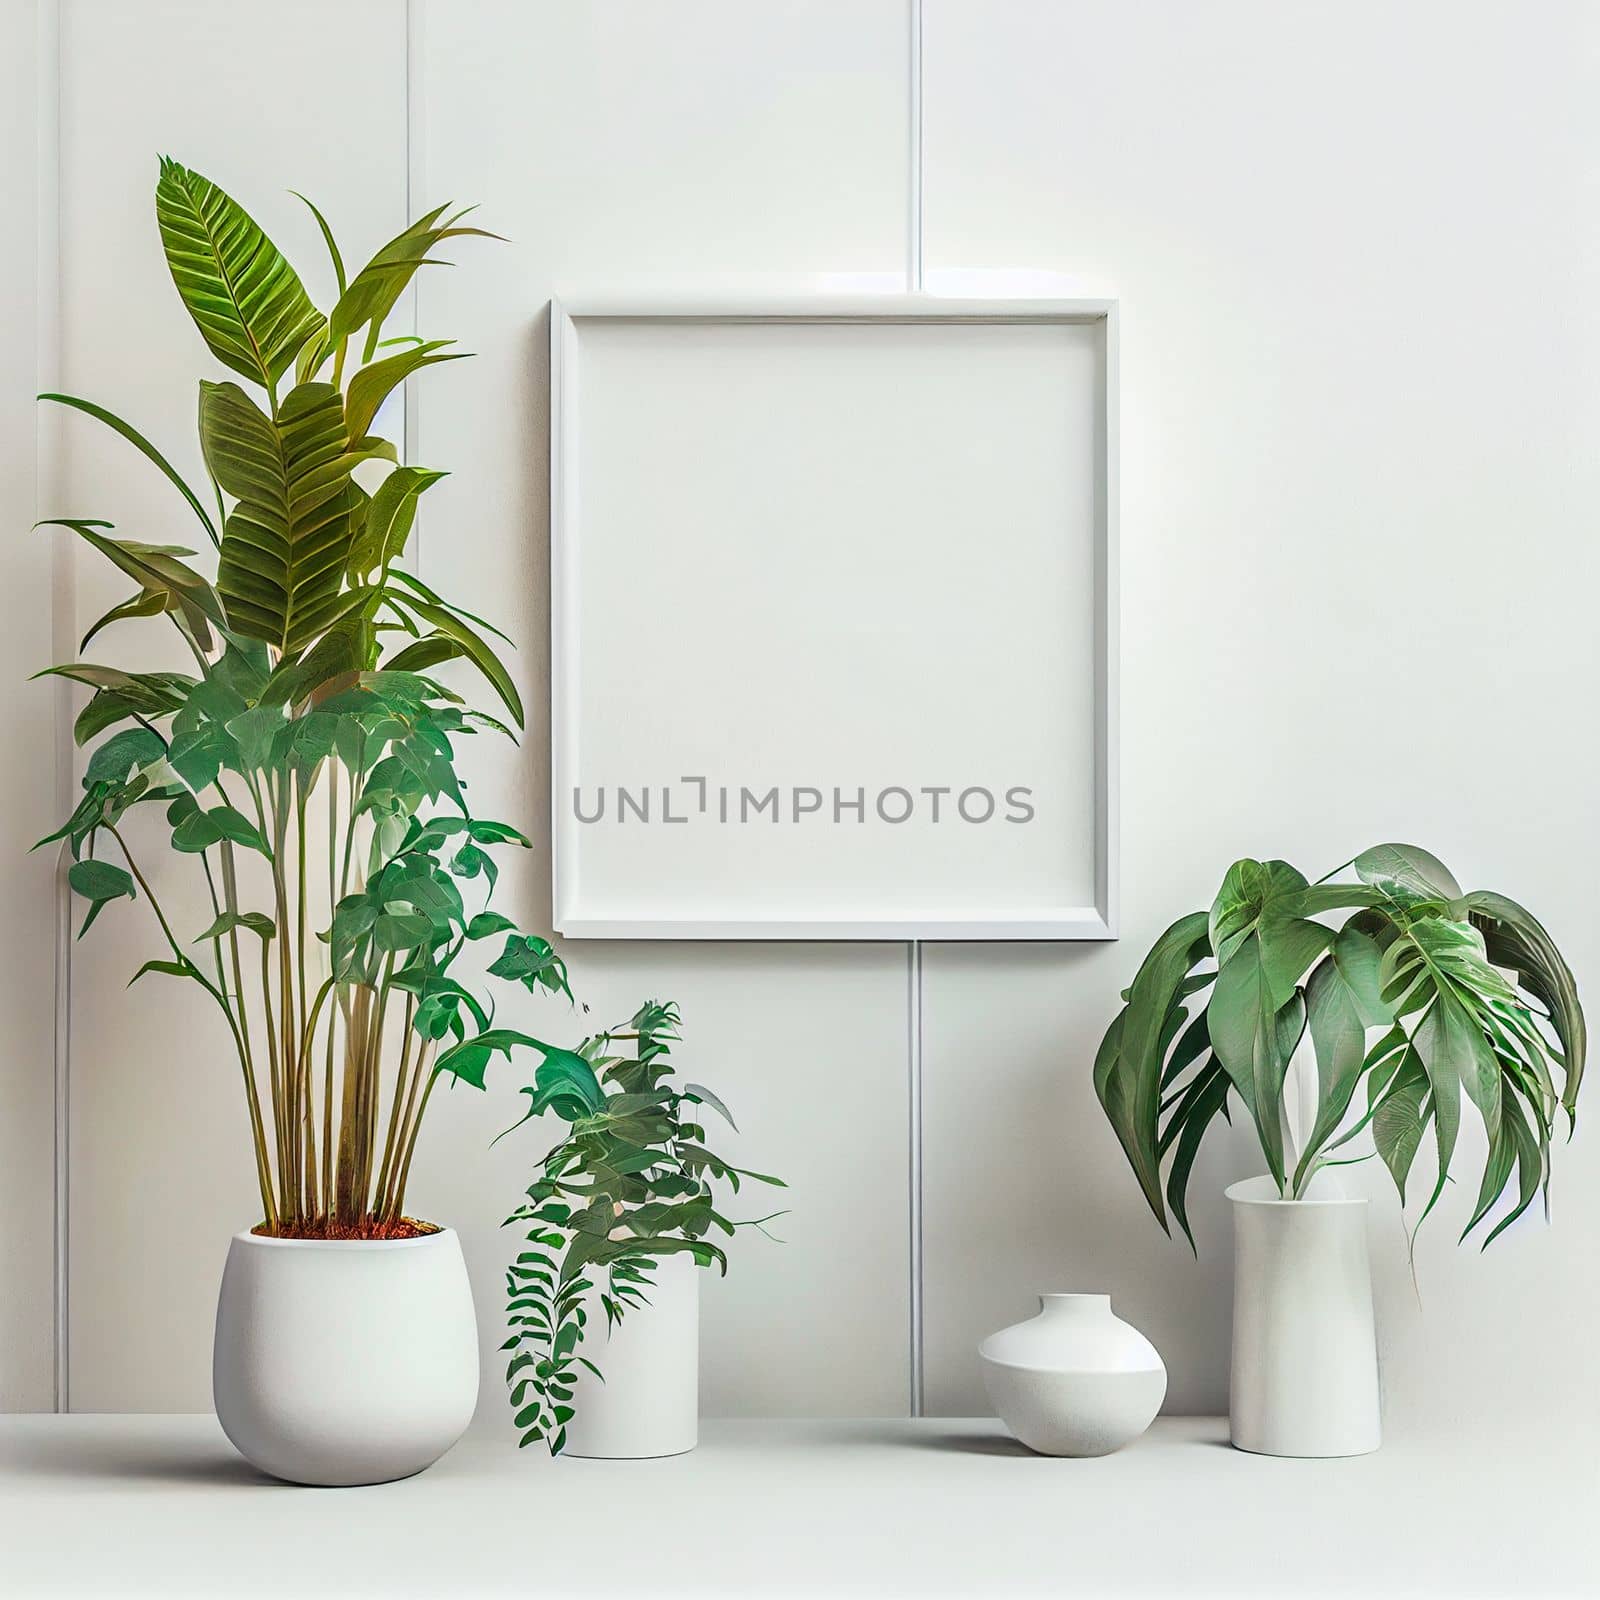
(1422, 998)
(303, 760)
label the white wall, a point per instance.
(27, 720)
(1355, 248)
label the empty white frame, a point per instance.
(834, 620)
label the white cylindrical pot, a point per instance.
(1305, 1360)
(1075, 1380)
(345, 1361)
(649, 1403)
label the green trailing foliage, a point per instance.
(306, 766)
(631, 1181)
(1422, 999)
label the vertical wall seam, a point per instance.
(47, 483)
(914, 949)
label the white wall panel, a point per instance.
(637, 148)
(314, 100)
(27, 725)
(1355, 248)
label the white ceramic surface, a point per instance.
(649, 1403)
(1075, 1380)
(1305, 1362)
(345, 1361)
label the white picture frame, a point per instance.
(698, 374)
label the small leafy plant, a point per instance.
(303, 762)
(1466, 993)
(629, 1183)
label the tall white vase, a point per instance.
(649, 1403)
(1076, 1380)
(1305, 1362)
(345, 1361)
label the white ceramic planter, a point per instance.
(1305, 1362)
(649, 1404)
(345, 1361)
(1075, 1380)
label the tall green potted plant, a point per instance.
(302, 763)
(1422, 1003)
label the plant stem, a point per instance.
(397, 1204)
(386, 1171)
(262, 1165)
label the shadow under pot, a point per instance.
(1305, 1361)
(341, 1362)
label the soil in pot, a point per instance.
(328, 1228)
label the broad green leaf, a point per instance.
(1208, 1099)
(1405, 871)
(372, 385)
(202, 829)
(100, 883)
(254, 732)
(389, 517)
(258, 922)
(286, 544)
(245, 298)
(100, 880)
(488, 923)
(1516, 940)
(1398, 1121)
(1254, 1036)
(155, 567)
(1433, 960)
(120, 754)
(1128, 1067)
(1450, 1047)
(1341, 992)
(1267, 899)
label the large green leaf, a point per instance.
(372, 385)
(1342, 1000)
(1407, 872)
(1254, 1035)
(1129, 1065)
(158, 569)
(1204, 1101)
(388, 520)
(99, 883)
(1267, 899)
(1398, 1119)
(1516, 940)
(1437, 967)
(287, 543)
(245, 298)
(1449, 1047)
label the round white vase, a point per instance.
(1075, 1380)
(1305, 1361)
(345, 1361)
(649, 1402)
